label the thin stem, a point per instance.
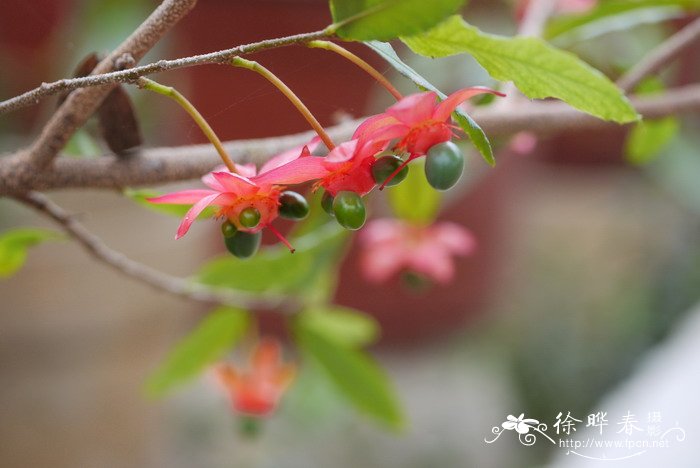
(173, 94)
(279, 84)
(181, 287)
(660, 56)
(373, 72)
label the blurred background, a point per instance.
(581, 297)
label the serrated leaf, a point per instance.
(470, 127)
(355, 375)
(344, 325)
(538, 69)
(275, 269)
(141, 197)
(209, 342)
(15, 243)
(364, 20)
(616, 15)
(414, 199)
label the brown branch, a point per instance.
(82, 103)
(180, 287)
(663, 54)
(132, 74)
(161, 165)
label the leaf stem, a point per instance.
(373, 72)
(279, 84)
(173, 94)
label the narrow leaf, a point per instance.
(215, 335)
(616, 15)
(346, 326)
(414, 199)
(355, 375)
(15, 243)
(363, 20)
(537, 69)
(470, 127)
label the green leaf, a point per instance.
(364, 20)
(470, 127)
(616, 15)
(648, 138)
(141, 197)
(15, 243)
(343, 325)
(274, 269)
(414, 199)
(209, 342)
(537, 69)
(355, 375)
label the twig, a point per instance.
(663, 54)
(162, 165)
(82, 103)
(132, 74)
(171, 284)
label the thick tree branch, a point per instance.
(144, 274)
(661, 56)
(82, 103)
(161, 165)
(132, 74)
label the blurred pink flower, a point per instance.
(391, 245)
(257, 390)
(523, 143)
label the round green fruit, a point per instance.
(293, 206)
(243, 244)
(385, 166)
(349, 210)
(444, 165)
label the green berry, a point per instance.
(349, 210)
(250, 217)
(243, 244)
(385, 166)
(228, 229)
(444, 165)
(293, 206)
(327, 203)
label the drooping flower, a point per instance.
(256, 391)
(232, 193)
(349, 167)
(520, 424)
(392, 245)
(418, 121)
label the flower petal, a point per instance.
(184, 197)
(233, 183)
(453, 237)
(297, 171)
(373, 124)
(414, 109)
(522, 428)
(290, 155)
(193, 212)
(342, 153)
(446, 107)
(509, 425)
(246, 170)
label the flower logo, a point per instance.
(519, 424)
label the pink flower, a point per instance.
(419, 121)
(349, 167)
(391, 245)
(257, 390)
(232, 193)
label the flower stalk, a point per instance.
(173, 94)
(279, 84)
(373, 72)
